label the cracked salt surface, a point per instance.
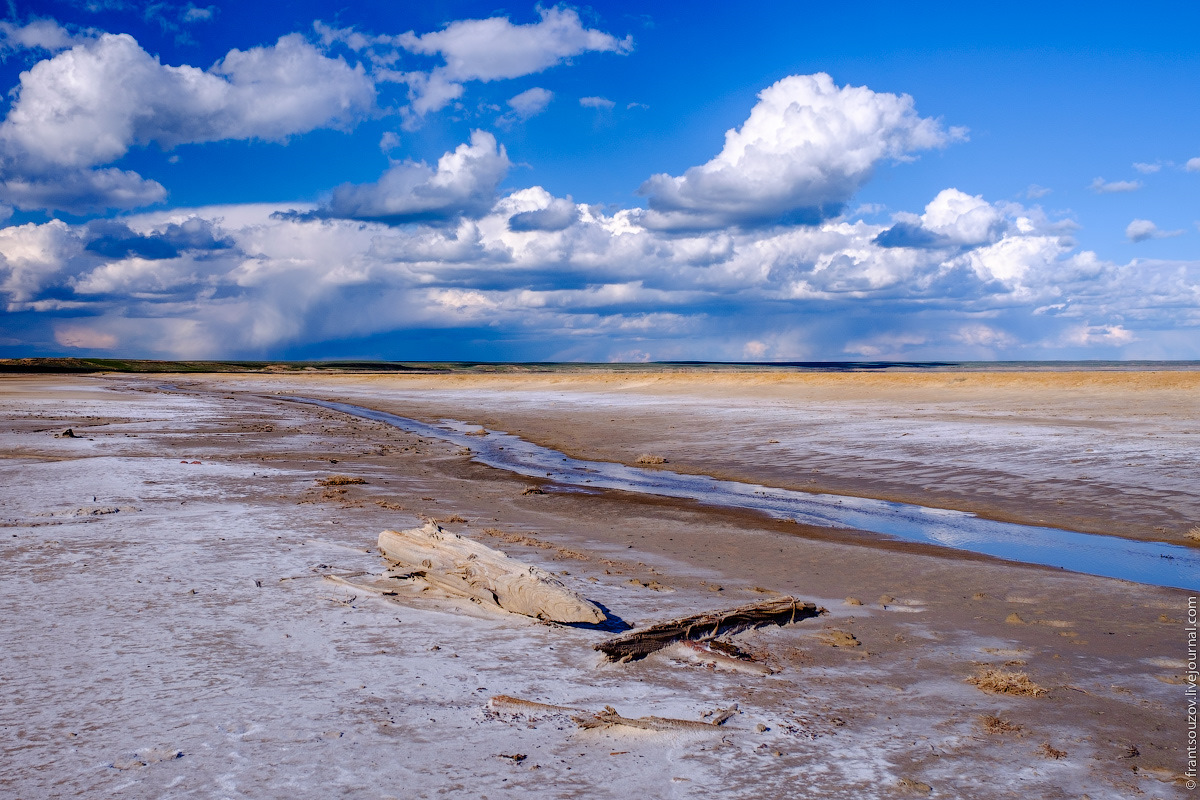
(1152, 563)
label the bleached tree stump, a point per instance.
(465, 567)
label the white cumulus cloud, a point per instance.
(495, 49)
(1101, 186)
(33, 257)
(464, 181)
(558, 214)
(90, 104)
(807, 146)
(585, 282)
(962, 219)
(1091, 335)
(436, 247)
(1193, 164)
(80, 190)
(1141, 230)
(38, 34)
(530, 102)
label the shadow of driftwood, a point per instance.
(611, 624)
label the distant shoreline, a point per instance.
(142, 366)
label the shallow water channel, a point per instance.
(1153, 563)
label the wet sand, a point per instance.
(183, 610)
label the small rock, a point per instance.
(836, 638)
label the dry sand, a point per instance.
(169, 631)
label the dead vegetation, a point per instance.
(1002, 681)
(1193, 534)
(996, 725)
(650, 584)
(529, 541)
(389, 505)
(340, 480)
(1048, 750)
(648, 458)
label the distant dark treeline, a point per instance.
(64, 365)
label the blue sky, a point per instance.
(779, 181)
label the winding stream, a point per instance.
(1153, 563)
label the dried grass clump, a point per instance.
(340, 480)
(997, 725)
(1194, 534)
(647, 458)
(1047, 750)
(1002, 681)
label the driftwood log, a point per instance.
(641, 642)
(464, 567)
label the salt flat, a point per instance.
(170, 631)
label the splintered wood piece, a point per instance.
(609, 717)
(509, 703)
(643, 641)
(464, 567)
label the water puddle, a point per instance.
(1108, 556)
